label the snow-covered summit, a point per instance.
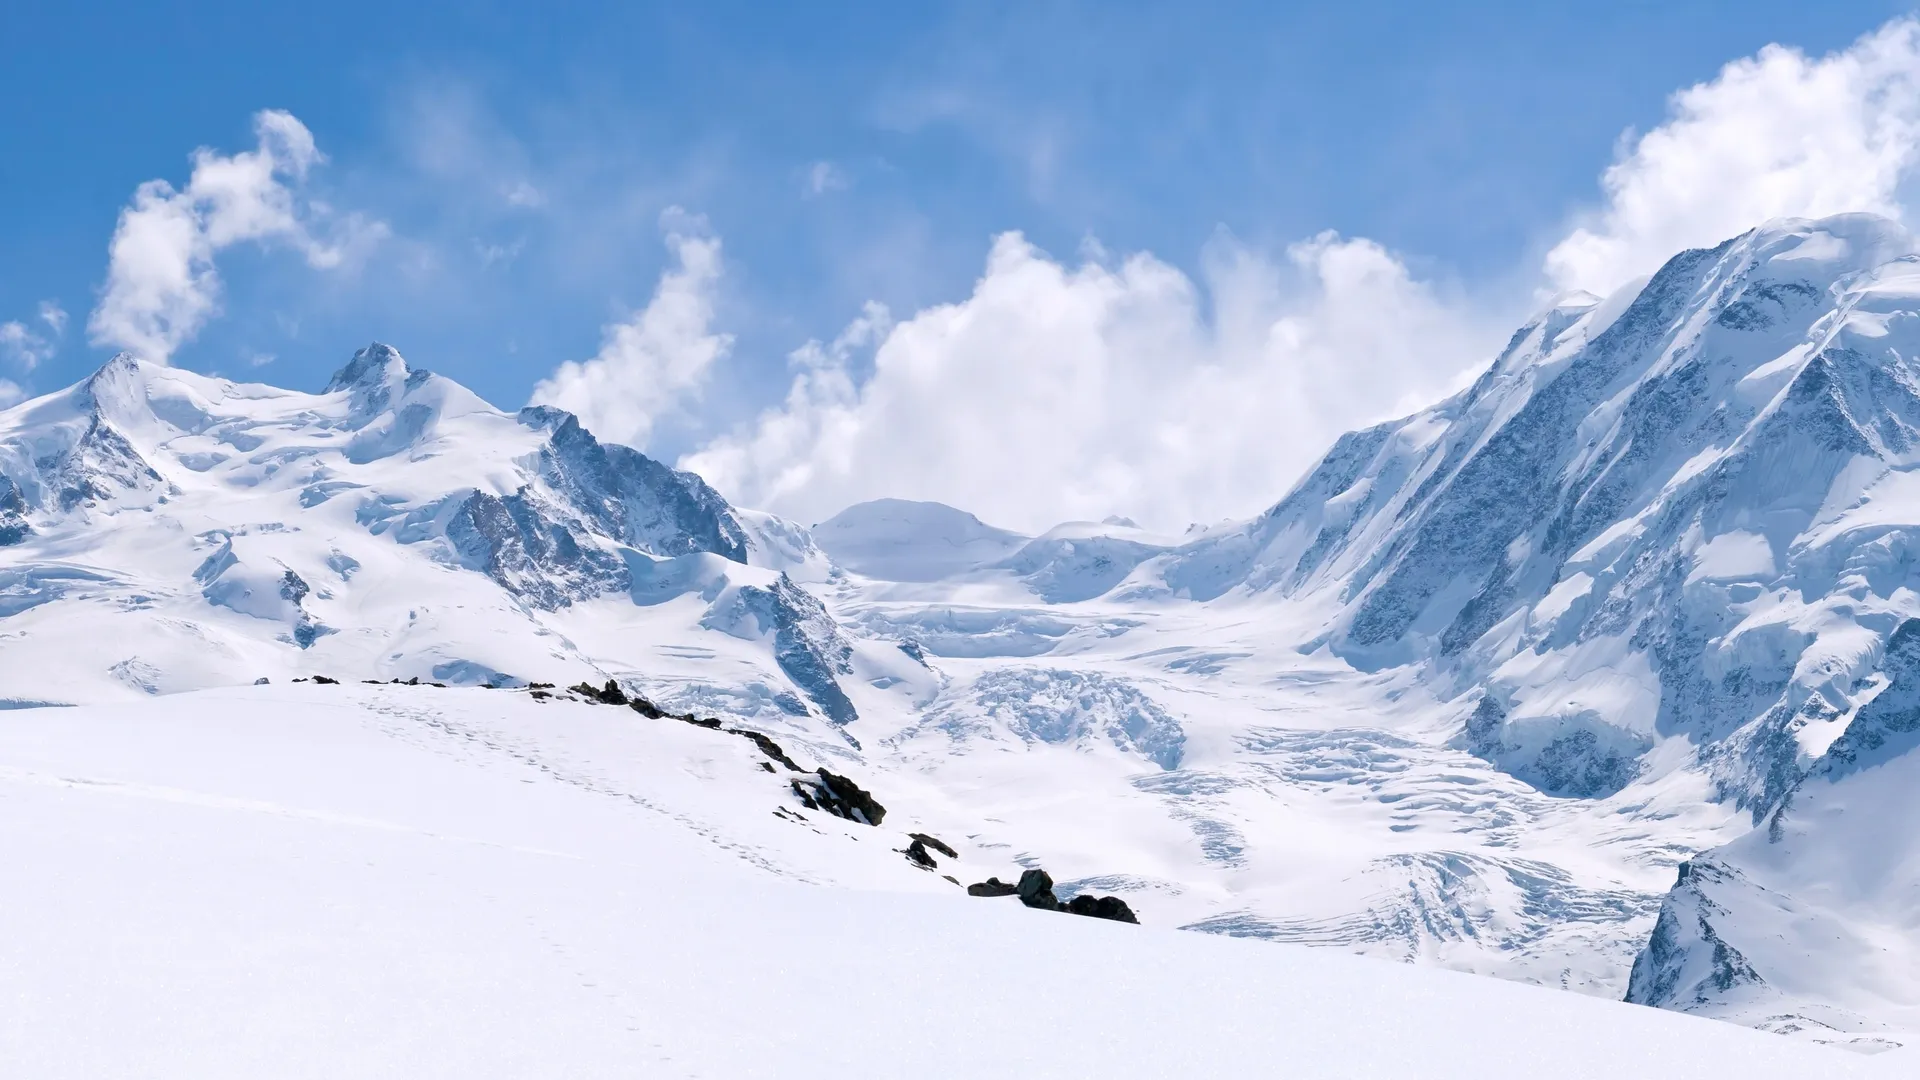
(395, 524)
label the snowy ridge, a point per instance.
(395, 525)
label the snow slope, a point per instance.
(324, 881)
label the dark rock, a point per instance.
(768, 765)
(839, 796)
(1036, 890)
(916, 853)
(711, 722)
(1104, 907)
(539, 686)
(646, 708)
(539, 695)
(324, 681)
(13, 514)
(768, 747)
(993, 886)
(610, 694)
(262, 681)
(934, 844)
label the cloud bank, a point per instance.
(162, 285)
(1778, 134)
(651, 363)
(1061, 391)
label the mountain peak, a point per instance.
(377, 363)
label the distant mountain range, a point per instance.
(1601, 674)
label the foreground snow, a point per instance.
(385, 881)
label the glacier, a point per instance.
(1597, 675)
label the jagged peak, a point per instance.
(377, 364)
(546, 418)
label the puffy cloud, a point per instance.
(1776, 134)
(651, 363)
(10, 393)
(1058, 391)
(22, 345)
(162, 285)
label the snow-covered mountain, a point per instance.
(167, 531)
(1633, 607)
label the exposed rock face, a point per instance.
(807, 644)
(1807, 922)
(1648, 520)
(13, 514)
(839, 796)
(1686, 963)
(993, 886)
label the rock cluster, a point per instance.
(918, 854)
(1035, 890)
(840, 797)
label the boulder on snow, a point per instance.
(1104, 907)
(993, 886)
(840, 797)
(916, 854)
(1036, 890)
(936, 845)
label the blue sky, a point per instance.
(517, 163)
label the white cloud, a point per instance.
(22, 345)
(54, 316)
(162, 285)
(27, 346)
(1776, 134)
(524, 195)
(1059, 391)
(649, 364)
(824, 176)
(10, 393)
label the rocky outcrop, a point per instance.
(1686, 963)
(13, 514)
(1035, 890)
(839, 796)
(1102, 907)
(807, 644)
